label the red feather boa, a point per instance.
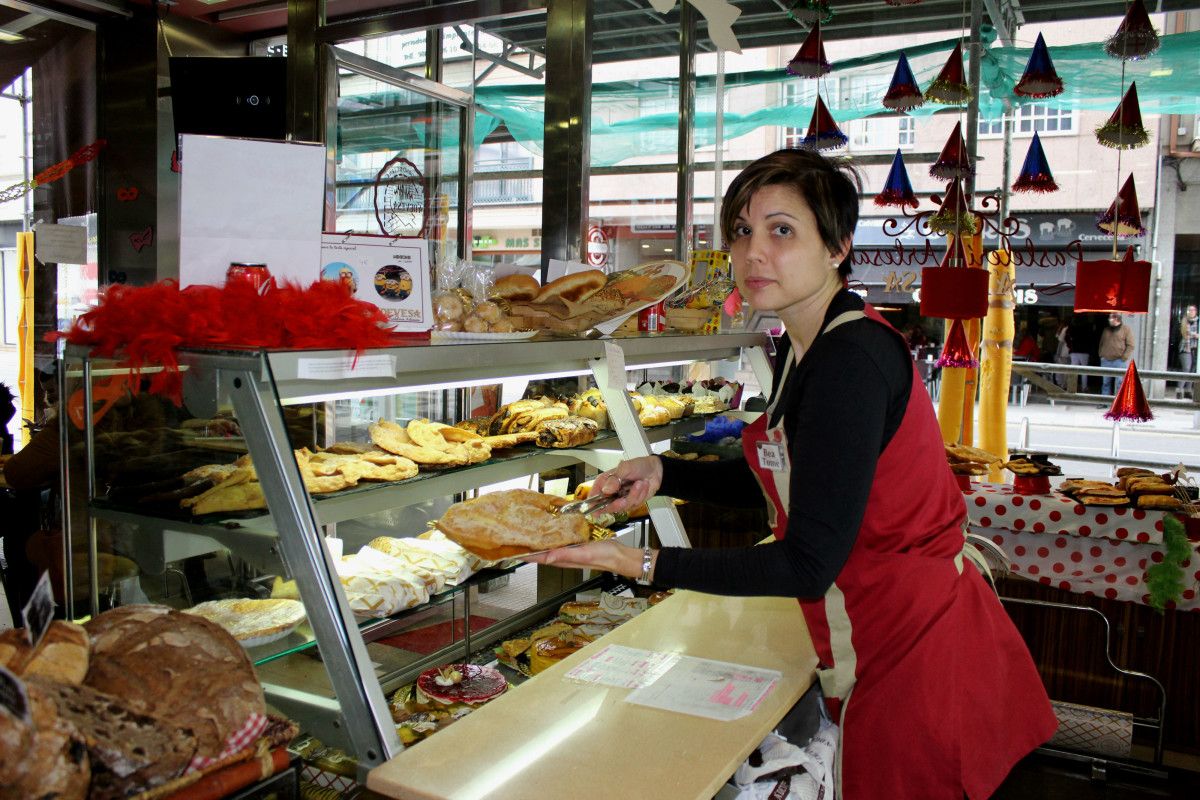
(145, 325)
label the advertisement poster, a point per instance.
(392, 274)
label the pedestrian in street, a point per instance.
(1189, 334)
(1116, 348)
(1082, 340)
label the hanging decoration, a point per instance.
(808, 11)
(1039, 79)
(810, 60)
(904, 94)
(957, 350)
(823, 132)
(53, 172)
(720, 16)
(950, 86)
(1166, 580)
(1135, 37)
(955, 161)
(1124, 216)
(897, 190)
(1124, 129)
(954, 289)
(1130, 402)
(1035, 173)
(954, 215)
(1109, 285)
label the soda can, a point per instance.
(652, 319)
(257, 275)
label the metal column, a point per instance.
(567, 129)
(685, 162)
(305, 102)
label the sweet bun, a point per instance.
(574, 287)
(517, 288)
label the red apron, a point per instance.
(936, 692)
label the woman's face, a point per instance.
(780, 263)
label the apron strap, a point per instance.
(840, 319)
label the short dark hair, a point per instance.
(830, 187)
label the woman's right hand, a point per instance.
(641, 478)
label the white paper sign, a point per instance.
(626, 667)
(392, 274)
(378, 365)
(703, 688)
(60, 244)
(250, 201)
(556, 269)
(614, 358)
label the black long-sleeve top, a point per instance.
(840, 406)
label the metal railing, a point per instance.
(1035, 371)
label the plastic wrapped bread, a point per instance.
(378, 585)
(444, 559)
(474, 562)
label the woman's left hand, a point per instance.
(609, 556)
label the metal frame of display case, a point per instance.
(260, 383)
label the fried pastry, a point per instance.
(568, 432)
(1162, 501)
(508, 523)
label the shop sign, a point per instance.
(485, 241)
(597, 246)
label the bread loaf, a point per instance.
(128, 752)
(516, 287)
(574, 287)
(55, 762)
(62, 655)
(177, 666)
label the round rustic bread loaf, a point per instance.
(517, 288)
(177, 666)
(574, 287)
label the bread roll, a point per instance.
(520, 288)
(574, 287)
(62, 655)
(177, 666)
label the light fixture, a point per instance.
(383, 391)
(8, 37)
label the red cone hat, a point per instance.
(957, 350)
(823, 132)
(1124, 129)
(954, 215)
(810, 60)
(1135, 37)
(1130, 402)
(1124, 216)
(954, 162)
(950, 86)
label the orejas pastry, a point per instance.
(510, 523)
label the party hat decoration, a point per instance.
(957, 350)
(1124, 217)
(1130, 402)
(1135, 38)
(810, 60)
(954, 215)
(811, 11)
(823, 132)
(954, 162)
(904, 94)
(1124, 129)
(1107, 284)
(1035, 174)
(1040, 79)
(950, 85)
(897, 190)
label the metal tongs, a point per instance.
(593, 503)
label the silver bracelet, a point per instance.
(647, 565)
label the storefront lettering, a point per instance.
(904, 282)
(1026, 255)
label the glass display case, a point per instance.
(134, 464)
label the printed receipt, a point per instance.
(703, 688)
(697, 686)
(379, 365)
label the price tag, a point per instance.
(39, 611)
(771, 456)
(615, 357)
(13, 697)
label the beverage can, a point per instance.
(257, 275)
(652, 319)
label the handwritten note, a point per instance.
(379, 365)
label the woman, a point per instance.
(934, 689)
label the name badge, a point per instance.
(772, 456)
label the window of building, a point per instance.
(1029, 119)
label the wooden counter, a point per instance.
(551, 737)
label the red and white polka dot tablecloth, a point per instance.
(1093, 550)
